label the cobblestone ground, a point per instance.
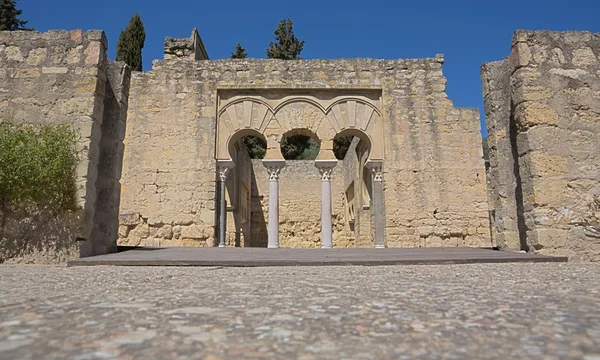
(457, 311)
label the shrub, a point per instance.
(37, 168)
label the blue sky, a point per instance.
(468, 33)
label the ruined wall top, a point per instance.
(191, 48)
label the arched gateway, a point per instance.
(270, 115)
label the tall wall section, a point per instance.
(63, 77)
(543, 116)
(435, 192)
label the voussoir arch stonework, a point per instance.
(271, 116)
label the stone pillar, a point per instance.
(326, 168)
(378, 205)
(223, 169)
(273, 168)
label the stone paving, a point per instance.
(492, 311)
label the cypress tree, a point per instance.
(287, 47)
(239, 53)
(131, 42)
(9, 16)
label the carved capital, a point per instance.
(273, 172)
(376, 170)
(274, 167)
(325, 173)
(223, 167)
(325, 168)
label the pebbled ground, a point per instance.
(491, 311)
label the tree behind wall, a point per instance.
(131, 42)
(287, 47)
(9, 16)
(239, 53)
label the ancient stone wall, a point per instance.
(554, 137)
(60, 77)
(433, 168)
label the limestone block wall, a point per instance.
(60, 77)
(299, 206)
(435, 193)
(554, 98)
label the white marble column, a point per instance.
(223, 168)
(325, 169)
(273, 168)
(378, 205)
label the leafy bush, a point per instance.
(37, 169)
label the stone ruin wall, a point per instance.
(435, 192)
(543, 117)
(63, 77)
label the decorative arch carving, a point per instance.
(300, 114)
(326, 118)
(352, 113)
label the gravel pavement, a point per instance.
(491, 311)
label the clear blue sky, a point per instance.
(468, 33)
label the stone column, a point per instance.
(273, 168)
(223, 169)
(325, 169)
(378, 205)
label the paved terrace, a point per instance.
(485, 311)
(182, 256)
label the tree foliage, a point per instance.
(37, 167)
(9, 16)
(256, 147)
(287, 45)
(239, 53)
(131, 42)
(299, 147)
(340, 146)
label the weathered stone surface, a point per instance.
(128, 218)
(554, 143)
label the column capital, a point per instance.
(274, 167)
(223, 167)
(376, 170)
(325, 168)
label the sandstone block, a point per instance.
(546, 165)
(142, 231)
(192, 232)
(13, 53)
(165, 231)
(54, 70)
(129, 218)
(26, 73)
(584, 57)
(123, 231)
(74, 55)
(549, 238)
(550, 192)
(176, 232)
(37, 56)
(536, 113)
(521, 55)
(93, 53)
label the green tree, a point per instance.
(341, 145)
(256, 147)
(239, 53)
(131, 42)
(287, 47)
(9, 16)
